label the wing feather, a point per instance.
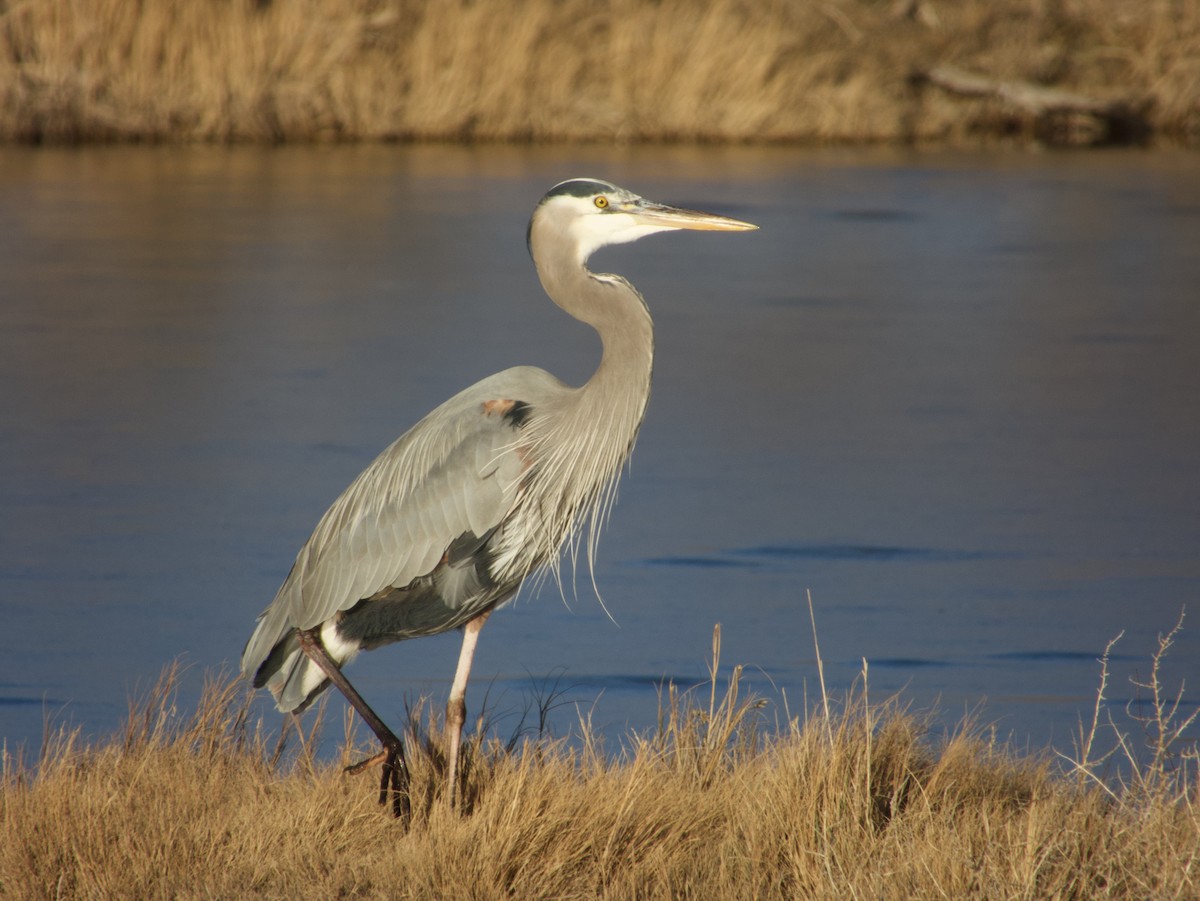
(457, 471)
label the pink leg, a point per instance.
(456, 706)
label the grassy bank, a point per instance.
(622, 70)
(854, 801)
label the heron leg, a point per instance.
(456, 706)
(394, 780)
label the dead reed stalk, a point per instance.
(615, 71)
(856, 802)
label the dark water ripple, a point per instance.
(745, 557)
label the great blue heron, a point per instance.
(447, 522)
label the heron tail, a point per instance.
(275, 661)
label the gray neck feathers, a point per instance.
(590, 431)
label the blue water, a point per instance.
(955, 396)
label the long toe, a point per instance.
(395, 782)
(362, 766)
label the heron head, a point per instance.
(590, 214)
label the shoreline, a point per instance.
(855, 72)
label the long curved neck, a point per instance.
(586, 433)
(619, 388)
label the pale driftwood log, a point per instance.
(1116, 121)
(1030, 97)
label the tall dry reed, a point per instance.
(620, 70)
(859, 803)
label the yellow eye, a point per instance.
(601, 201)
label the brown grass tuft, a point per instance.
(621, 70)
(711, 804)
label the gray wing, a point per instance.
(456, 472)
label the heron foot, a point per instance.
(393, 780)
(357, 769)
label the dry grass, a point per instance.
(621, 70)
(857, 804)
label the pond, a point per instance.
(954, 396)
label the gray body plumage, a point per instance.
(411, 547)
(449, 520)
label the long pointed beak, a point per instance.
(665, 216)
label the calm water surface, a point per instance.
(956, 396)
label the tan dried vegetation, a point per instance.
(621, 70)
(853, 803)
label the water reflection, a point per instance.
(954, 395)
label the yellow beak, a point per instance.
(674, 217)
